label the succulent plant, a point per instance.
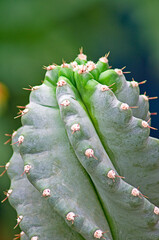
(82, 154)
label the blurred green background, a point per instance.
(36, 33)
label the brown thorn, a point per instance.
(111, 85)
(142, 82)
(9, 140)
(152, 128)
(3, 172)
(17, 236)
(110, 66)
(95, 157)
(4, 200)
(150, 98)
(81, 50)
(21, 106)
(15, 143)
(134, 107)
(107, 54)
(120, 176)
(126, 72)
(155, 113)
(123, 68)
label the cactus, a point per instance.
(81, 155)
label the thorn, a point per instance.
(82, 56)
(22, 113)
(150, 98)
(154, 113)
(21, 107)
(17, 236)
(126, 72)
(107, 54)
(8, 193)
(142, 82)
(32, 88)
(10, 135)
(6, 168)
(136, 193)
(146, 125)
(111, 174)
(123, 68)
(20, 140)
(50, 67)
(19, 219)
(26, 169)
(110, 66)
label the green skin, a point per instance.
(39, 219)
(79, 183)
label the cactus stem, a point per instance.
(156, 210)
(22, 113)
(20, 140)
(6, 168)
(10, 135)
(61, 83)
(111, 174)
(19, 219)
(90, 153)
(99, 234)
(17, 236)
(8, 193)
(65, 103)
(75, 127)
(71, 216)
(26, 169)
(46, 193)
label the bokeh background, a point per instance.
(36, 33)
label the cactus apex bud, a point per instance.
(135, 192)
(75, 127)
(35, 238)
(61, 83)
(104, 88)
(46, 192)
(90, 66)
(118, 71)
(156, 210)
(124, 106)
(82, 69)
(98, 234)
(82, 56)
(65, 103)
(71, 216)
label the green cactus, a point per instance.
(81, 154)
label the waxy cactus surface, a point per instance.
(84, 165)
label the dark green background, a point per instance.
(36, 33)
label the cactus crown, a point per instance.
(84, 165)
